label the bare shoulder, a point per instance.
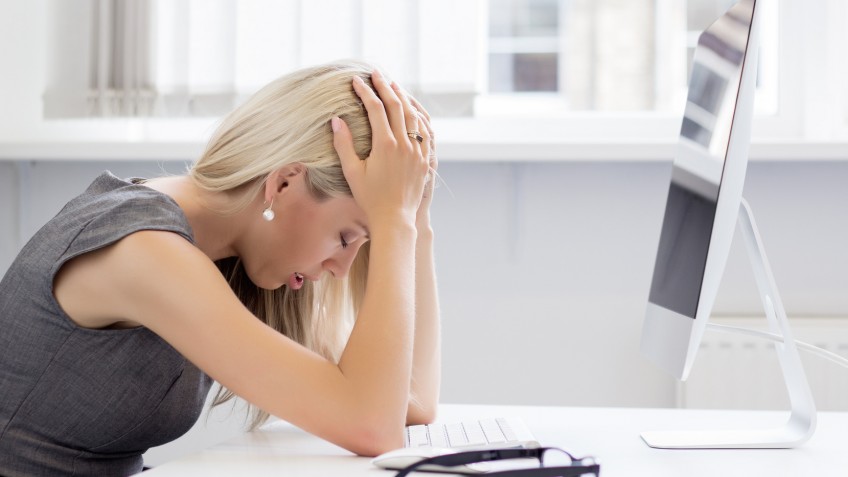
(133, 280)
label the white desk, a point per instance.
(611, 434)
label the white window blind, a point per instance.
(201, 57)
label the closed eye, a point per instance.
(344, 242)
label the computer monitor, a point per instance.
(703, 204)
(705, 191)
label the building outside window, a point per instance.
(606, 55)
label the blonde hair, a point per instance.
(288, 121)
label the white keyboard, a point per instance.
(482, 433)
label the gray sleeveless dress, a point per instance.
(77, 401)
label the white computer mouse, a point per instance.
(400, 458)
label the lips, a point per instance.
(295, 281)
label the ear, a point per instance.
(280, 179)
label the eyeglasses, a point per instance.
(566, 466)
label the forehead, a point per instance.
(343, 210)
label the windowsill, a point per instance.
(449, 151)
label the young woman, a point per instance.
(309, 208)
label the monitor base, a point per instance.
(793, 434)
(802, 420)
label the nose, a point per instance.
(339, 264)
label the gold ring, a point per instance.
(415, 135)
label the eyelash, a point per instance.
(344, 243)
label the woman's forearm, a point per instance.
(378, 357)
(426, 364)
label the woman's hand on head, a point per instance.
(428, 148)
(389, 184)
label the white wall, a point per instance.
(553, 261)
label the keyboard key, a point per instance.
(474, 433)
(492, 431)
(418, 436)
(509, 434)
(456, 435)
(438, 437)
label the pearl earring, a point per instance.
(268, 214)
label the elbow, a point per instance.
(372, 442)
(422, 411)
(373, 437)
(421, 415)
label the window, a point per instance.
(507, 69)
(605, 55)
(523, 46)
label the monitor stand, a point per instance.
(802, 420)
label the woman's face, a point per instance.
(306, 238)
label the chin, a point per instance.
(269, 287)
(264, 283)
(269, 284)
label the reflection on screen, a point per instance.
(706, 88)
(682, 256)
